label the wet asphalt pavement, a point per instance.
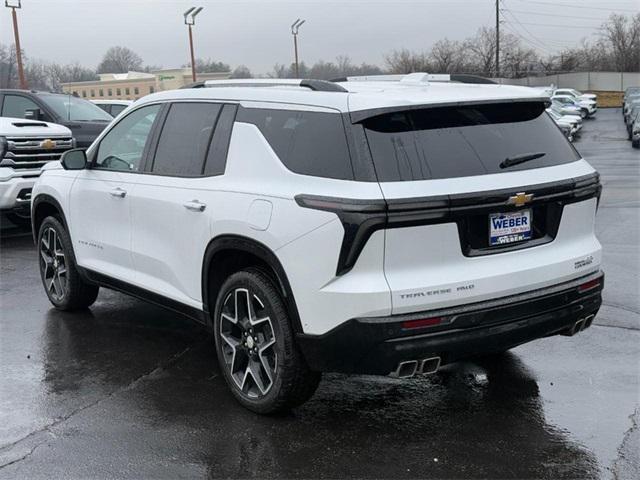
(129, 390)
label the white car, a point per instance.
(578, 95)
(113, 107)
(368, 227)
(25, 147)
(588, 108)
(569, 124)
(567, 109)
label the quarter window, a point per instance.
(185, 138)
(309, 143)
(123, 147)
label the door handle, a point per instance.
(195, 206)
(118, 192)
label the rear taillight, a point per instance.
(422, 322)
(590, 285)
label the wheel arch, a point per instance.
(42, 206)
(228, 253)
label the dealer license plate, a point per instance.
(505, 228)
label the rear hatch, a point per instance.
(483, 201)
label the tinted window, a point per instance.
(68, 107)
(217, 156)
(123, 147)
(185, 139)
(116, 109)
(16, 105)
(309, 143)
(463, 141)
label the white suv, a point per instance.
(378, 227)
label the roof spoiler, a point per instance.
(311, 84)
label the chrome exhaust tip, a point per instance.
(429, 365)
(574, 329)
(405, 369)
(588, 321)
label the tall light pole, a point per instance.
(295, 26)
(497, 38)
(13, 4)
(190, 20)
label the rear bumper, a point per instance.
(377, 345)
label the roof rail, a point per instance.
(418, 78)
(315, 85)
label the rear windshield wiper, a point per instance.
(517, 159)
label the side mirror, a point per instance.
(33, 114)
(75, 159)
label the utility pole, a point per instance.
(190, 20)
(295, 26)
(497, 38)
(13, 4)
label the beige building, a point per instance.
(133, 85)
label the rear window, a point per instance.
(447, 142)
(309, 143)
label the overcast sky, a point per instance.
(257, 32)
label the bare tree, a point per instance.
(622, 34)
(8, 72)
(119, 60)
(209, 66)
(406, 61)
(446, 56)
(241, 71)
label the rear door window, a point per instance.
(308, 143)
(448, 142)
(184, 141)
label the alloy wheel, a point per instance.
(53, 264)
(248, 343)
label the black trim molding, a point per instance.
(360, 218)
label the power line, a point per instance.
(561, 26)
(579, 6)
(556, 15)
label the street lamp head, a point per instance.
(295, 26)
(12, 3)
(190, 15)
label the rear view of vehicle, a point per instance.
(488, 220)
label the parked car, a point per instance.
(368, 227)
(569, 124)
(113, 107)
(576, 94)
(630, 91)
(568, 109)
(83, 118)
(631, 102)
(588, 108)
(632, 117)
(635, 133)
(25, 147)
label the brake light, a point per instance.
(590, 285)
(422, 322)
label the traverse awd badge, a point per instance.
(520, 199)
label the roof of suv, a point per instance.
(354, 95)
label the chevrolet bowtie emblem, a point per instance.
(48, 144)
(520, 199)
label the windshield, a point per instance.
(448, 142)
(75, 109)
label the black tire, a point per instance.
(57, 261)
(584, 113)
(289, 382)
(635, 143)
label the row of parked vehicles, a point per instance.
(631, 114)
(569, 107)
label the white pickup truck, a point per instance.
(25, 147)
